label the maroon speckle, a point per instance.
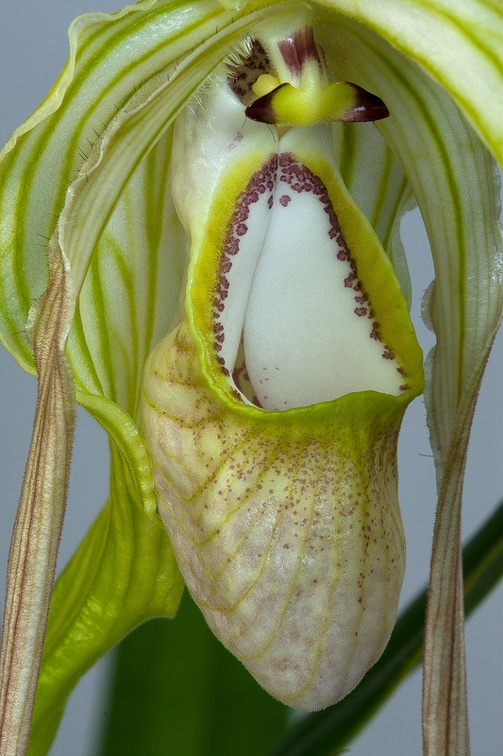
(300, 179)
(286, 169)
(247, 71)
(263, 181)
(232, 248)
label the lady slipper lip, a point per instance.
(272, 411)
(285, 524)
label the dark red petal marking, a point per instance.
(263, 181)
(367, 107)
(297, 49)
(245, 73)
(262, 110)
(298, 178)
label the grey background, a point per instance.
(33, 47)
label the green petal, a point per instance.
(131, 288)
(457, 44)
(122, 574)
(110, 57)
(454, 181)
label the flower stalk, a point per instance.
(37, 530)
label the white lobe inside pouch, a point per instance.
(309, 334)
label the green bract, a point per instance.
(86, 312)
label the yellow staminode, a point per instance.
(265, 83)
(311, 102)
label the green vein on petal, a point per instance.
(132, 286)
(453, 179)
(457, 43)
(110, 57)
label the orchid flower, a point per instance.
(224, 289)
